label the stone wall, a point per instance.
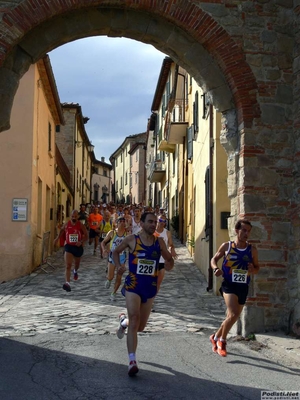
(245, 55)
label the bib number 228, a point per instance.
(146, 267)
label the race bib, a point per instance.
(239, 276)
(146, 267)
(73, 238)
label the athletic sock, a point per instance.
(216, 338)
(131, 357)
(222, 340)
(124, 323)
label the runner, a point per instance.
(114, 237)
(106, 226)
(141, 283)
(76, 234)
(94, 224)
(162, 232)
(240, 259)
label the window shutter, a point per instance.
(190, 142)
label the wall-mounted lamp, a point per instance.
(90, 147)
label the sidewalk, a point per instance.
(37, 304)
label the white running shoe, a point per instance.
(107, 284)
(113, 296)
(121, 330)
(132, 368)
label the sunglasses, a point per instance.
(161, 220)
(121, 220)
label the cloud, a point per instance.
(114, 81)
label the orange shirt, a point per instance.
(95, 220)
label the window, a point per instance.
(104, 172)
(205, 106)
(207, 203)
(49, 137)
(126, 178)
(195, 113)
(121, 157)
(121, 184)
(137, 155)
(136, 177)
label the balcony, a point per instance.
(177, 131)
(157, 171)
(166, 146)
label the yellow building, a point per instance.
(78, 154)
(121, 161)
(28, 171)
(186, 164)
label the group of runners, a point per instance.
(138, 242)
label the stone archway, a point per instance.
(242, 55)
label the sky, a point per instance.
(114, 81)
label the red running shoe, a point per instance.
(214, 343)
(222, 348)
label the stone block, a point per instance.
(271, 255)
(281, 231)
(252, 320)
(273, 114)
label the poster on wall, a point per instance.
(19, 210)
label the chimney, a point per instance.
(103, 159)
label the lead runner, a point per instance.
(140, 285)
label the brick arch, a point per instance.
(180, 29)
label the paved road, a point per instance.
(58, 345)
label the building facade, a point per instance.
(101, 182)
(28, 174)
(123, 171)
(77, 151)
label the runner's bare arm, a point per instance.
(169, 260)
(128, 242)
(171, 246)
(85, 233)
(106, 240)
(219, 254)
(253, 267)
(61, 232)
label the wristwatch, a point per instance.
(215, 269)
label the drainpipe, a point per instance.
(211, 231)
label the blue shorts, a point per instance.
(146, 290)
(239, 289)
(75, 250)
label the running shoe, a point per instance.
(121, 330)
(113, 296)
(132, 368)
(107, 284)
(214, 343)
(222, 348)
(67, 287)
(75, 275)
